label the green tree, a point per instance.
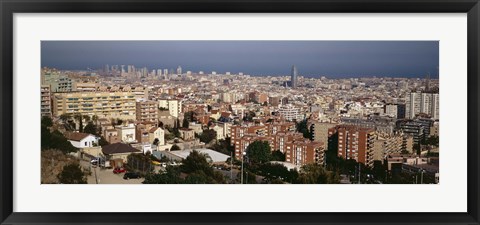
(102, 142)
(55, 140)
(174, 148)
(302, 127)
(140, 163)
(258, 152)
(208, 135)
(170, 176)
(90, 128)
(277, 155)
(47, 121)
(316, 174)
(185, 123)
(79, 119)
(72, 174)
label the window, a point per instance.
(85, 143)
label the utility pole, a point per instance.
(421, 176)
(231, 166)
(359, 173)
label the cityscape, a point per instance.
(286, 119)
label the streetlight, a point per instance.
(241, 177)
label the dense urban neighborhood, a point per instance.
(122, 124)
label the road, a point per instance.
(106, 176)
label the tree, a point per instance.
(72, 174)
(302, 127)
(170, 176)
(140, 163)
(277, 155)
(55, 140)
(258, 152)
(174, 148)
(185, 123)
(65, 117)
(47, 121)
(90, 128)
(208, 135)
(316, 174)
(102, 142)
(155, 142)
(79, 118)
(249, 116)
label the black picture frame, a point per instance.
(9, 7)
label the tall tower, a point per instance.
(427, 83)
(179, 70)
(293, 78)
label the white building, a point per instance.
(417, 102)
(174, 106)
(290, 112)
(126, 133)
(82, 140)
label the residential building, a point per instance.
(111, 105)
(81, 140)
(147, 110)
(354, 142)
(174, 106)
(46, 101)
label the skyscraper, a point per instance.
(179, 70)
(293, 79)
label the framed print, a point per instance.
(260, 112)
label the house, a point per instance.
(81, 140)
(111, 135)
(187, 134)
(156, 133)
(118, 151)
(126, 133)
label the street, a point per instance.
(106, 176)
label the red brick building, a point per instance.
(353, 142)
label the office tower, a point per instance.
(106, 69)
(159, 72)
(179, 70)
(294, 78)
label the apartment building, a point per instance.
(281, 137)
(174, 106)
(108, 105)
(46, 101)
(320, 132)
(354, 142)
(147, 110)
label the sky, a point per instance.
(334, 59)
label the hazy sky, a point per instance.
(313, 58)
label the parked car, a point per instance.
(94, 161)
(131, 175)
(119, 170)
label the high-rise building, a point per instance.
(147, 111)
(179, 70)
(174, 106)
(418, 102)
(294, 79)
(290, 112)
(353, 142)
(106, 104)
(46, 101)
